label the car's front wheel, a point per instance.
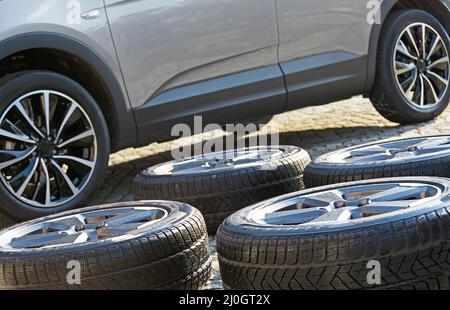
(54, 144)
(412, 77)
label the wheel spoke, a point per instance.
(28, 178)
(25, 116)
(434, 45)
(374, 157)
(402, 68)
(131, 217)
(66, 118)
(431, 86)
(397, 193)
(117, 230)
(47, 183)
(337, 215)
(438, 77)
(299, 216)
(16, 137)
(86, 134)
(66, 178)
(9, 158)
(38, 240)
(15, 128)
(401, 47)
(424, 41)
(413, 42)
(440, 61)
(382, 207)
(320, 200)
(422, 91)
(81, 161)
(39, 185)
(410, 82)
(46, 109)
(429, 143)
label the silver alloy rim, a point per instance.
(345, 204)
(421, 65)
(48, 149)
(219, 161)
(82, 228)
(394, 150)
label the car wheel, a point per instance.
(325, 238)
(420, 156)
(412, 76)
(54, 144)
(435, 283)
(221, 183)
(137, 245)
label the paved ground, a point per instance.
(316, 129)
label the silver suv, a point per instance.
(79, 78)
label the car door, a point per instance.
(169, 48)
(323, 48)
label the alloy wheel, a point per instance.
(344, 204)
(421, 65)
(394, 150)
(227, 160)
(48, 149)
(82, 227)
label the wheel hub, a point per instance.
(46, 148)
(421, 66)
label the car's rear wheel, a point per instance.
(412, 77)
(54, 144)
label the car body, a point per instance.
(150, 64)
(157, 57)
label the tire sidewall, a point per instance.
(26, 82)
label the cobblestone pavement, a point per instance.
(317, 129)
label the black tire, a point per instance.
(14, 86)
(385, 94)
(434, 283)
(324, 170)
(409, 246)
(219, 194)
(172, 254)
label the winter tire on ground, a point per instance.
(137, 245)
(324, 238)
(421, 156)
(219, 184)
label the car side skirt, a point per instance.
(248, 95)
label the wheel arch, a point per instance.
(106, 89)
